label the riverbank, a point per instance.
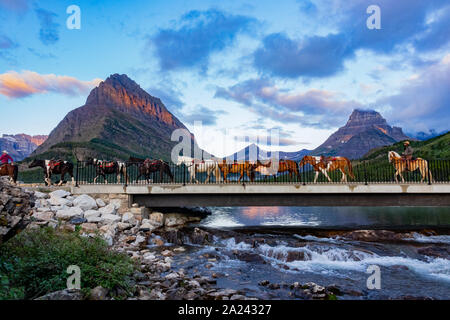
(179, 254)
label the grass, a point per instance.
(34, 263)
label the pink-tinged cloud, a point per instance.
(19, 85)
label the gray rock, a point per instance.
(63, 295)
(109, 209)
(110, 218)
(100, 203)
(59, 194)
(69, 213)
(77, 220)
(98, 293)
(85, 202)
(40, 195)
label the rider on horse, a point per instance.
(5, 158)
(407, 153)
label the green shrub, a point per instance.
(34, 263)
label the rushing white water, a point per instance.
(328, 259)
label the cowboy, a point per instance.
(5, 158)
(407, 153)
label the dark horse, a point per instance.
(147, 166)
(10, 170)
(102, 168)
(54, 167)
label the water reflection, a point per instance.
(328, 216)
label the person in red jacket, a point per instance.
(5, 158)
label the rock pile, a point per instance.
(15, 209)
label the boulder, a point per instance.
(57, 201)
(59, 194)
(175, 219)
(110, 218)
(43, 216)
(65, 294)
(15, 209)
(40, 195)
(100, 203)
(109, 209)
(85, 202)
(69, 213)
(98, 293)
(128, 217)
(89, 227)
(91, 213)
(157, 218)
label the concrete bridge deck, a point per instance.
(174, 195)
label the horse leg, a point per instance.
(324, 171)
(317, 176)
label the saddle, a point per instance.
(107, 164)
(54, 163)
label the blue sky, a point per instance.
(243, 68)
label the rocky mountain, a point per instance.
(119, 119)
(20, 145)
(364, 130)
(252, 152)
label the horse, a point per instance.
(147, 166)
(196, 165)
(240, 167)
(103, 168)
(11, 170)
(400, 166)
(278, 166)
(325, 165)
(54, 167)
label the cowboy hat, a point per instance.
(406, 142)
(4, 151)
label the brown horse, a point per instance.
(147, 166)
(10, 170)
(325, 165)
(241, 167)
(279, 166)
(400, 166)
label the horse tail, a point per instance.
(350, 169)
(15, 173)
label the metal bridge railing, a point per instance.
(132, 173)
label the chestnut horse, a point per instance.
(11, 170)
(54, 167)
(325, 165)
(242, 167)
(272, 168)
(400, 166)
(147, 166)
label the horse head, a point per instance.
(35, 163)
(393, 155)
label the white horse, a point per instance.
(196, 165)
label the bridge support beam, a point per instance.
(300, 200)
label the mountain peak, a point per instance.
(120, 92)
(359, 117)
(364, 130)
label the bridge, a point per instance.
(293, 194)
(373, 185)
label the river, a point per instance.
(262, 251)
